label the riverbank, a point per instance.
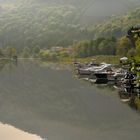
(99, 59)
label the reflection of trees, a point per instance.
(137, 102)
(132, 100)
(7, 64)
(1, 66)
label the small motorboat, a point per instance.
(90, 69)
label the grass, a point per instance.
(102, 58)
(99, 59)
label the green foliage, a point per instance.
(38, 24)
(47, 55)
(102, 46)
(113, 59)
(31, 23)
(137, 51)
(83, 49)
(117, 26)
(135, 68)
(26, 52)
(123, 46)
(131, 52)
(8, 52)
(43, 24)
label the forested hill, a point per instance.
(117, 26)
(46, 23)
(88, 11)
(95, 10)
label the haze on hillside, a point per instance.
(89, 10)
(45, 23)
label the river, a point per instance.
(52, 104)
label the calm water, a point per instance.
(52, 104)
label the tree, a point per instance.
(123, 46)
(137, 51)
(107, 47)
(83, 49)
(26, 52)
(131, 52)
(36, 50)
(11, 51)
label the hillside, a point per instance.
(88, 11)
(46, 23)
(117, 25)
(31, 25)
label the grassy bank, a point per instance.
(99, 59)
(102, 58)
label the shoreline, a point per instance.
(99, 59)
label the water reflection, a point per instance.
(8, 63)
(55, 66)
(52, 103)
(132, 100)
(106, 85)
(2, 66)
(8, 132)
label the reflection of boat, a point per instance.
(129, 92)
(133, 101)
(125, 100)
(105, 76)
(110, 74)
(124, 96)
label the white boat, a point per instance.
(103, 68)
(88, 70)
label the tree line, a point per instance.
(31, 28)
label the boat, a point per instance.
(90, 69)
(110, 73)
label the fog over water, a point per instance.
(54, 105)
